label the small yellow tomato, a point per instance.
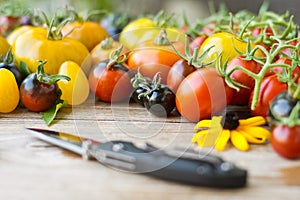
(9, 91)
(75, 91)
(4, 46)
(144, 29)
(225, 44)
(88, 33)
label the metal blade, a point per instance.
(67, 141)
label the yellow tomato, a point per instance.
(88, 33)
(103, 50)
(16, 33)
(9, 91)
(222, 43)
(4, 46)
(144, 29)
(35, 45)
(75, 91)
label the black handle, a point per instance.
(210, 171)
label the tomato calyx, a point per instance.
(107, 43)
(164, 20)
(193, 58)
(117, 58)
(162, 38)
(48, 79)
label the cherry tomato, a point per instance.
(38, 96)
(177, 73)
(151, 59)
(285, 141)
(224, 43)
(9, 91)
(202, 94)
(281, 106)
(269, 89)
(284, 60)
(241, 97)
(110, 84)
(197, 42)
(76, 90)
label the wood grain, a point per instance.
(31, 169)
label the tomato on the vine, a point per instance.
(202, 94)
(269, 89)
(241, 97)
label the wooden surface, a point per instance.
(34, 170)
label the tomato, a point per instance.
(16, 33)
(284, 60)
(241, 97)
(144, 29)
(4, 46)
(88, 33)
(9, 91)
(35, 45)
(8, 63)
(197, 42)
(155, 58)
(202, 94)
(281, 106)
(110, 84)
(285, 141)
(103, 50)
(223, 43)
(177, 73)
(75, 91)
(269, 89)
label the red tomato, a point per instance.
(269, 89)
(202, 94)
(110, 84)
(241, 97)
(153, 59)
(284, 60)
(197, 42)
(286, 141)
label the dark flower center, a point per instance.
(230, 121)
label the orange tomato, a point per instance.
(88, 33)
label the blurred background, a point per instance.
(192, 8)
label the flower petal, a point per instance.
(252, 139)
(198, 135)
(222, 140)
(256, 131)
(253, 121)
(215, 121)
(239, 141)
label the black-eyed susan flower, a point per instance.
(218, 131)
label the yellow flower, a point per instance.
(219, 130)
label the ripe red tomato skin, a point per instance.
(177, 73)
(242, 97)
(197, 42)
(284, 60)
(286, 141)
(269, 89)
(202, 94)
(109, 85)
(37, 96)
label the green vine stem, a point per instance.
(116, 57)
(267, 65)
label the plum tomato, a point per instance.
(269, 89)
(202, 94)
(110, 83)
(242, 96)
(285, 141)
(9, 91)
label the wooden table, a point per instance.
(34, 170)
